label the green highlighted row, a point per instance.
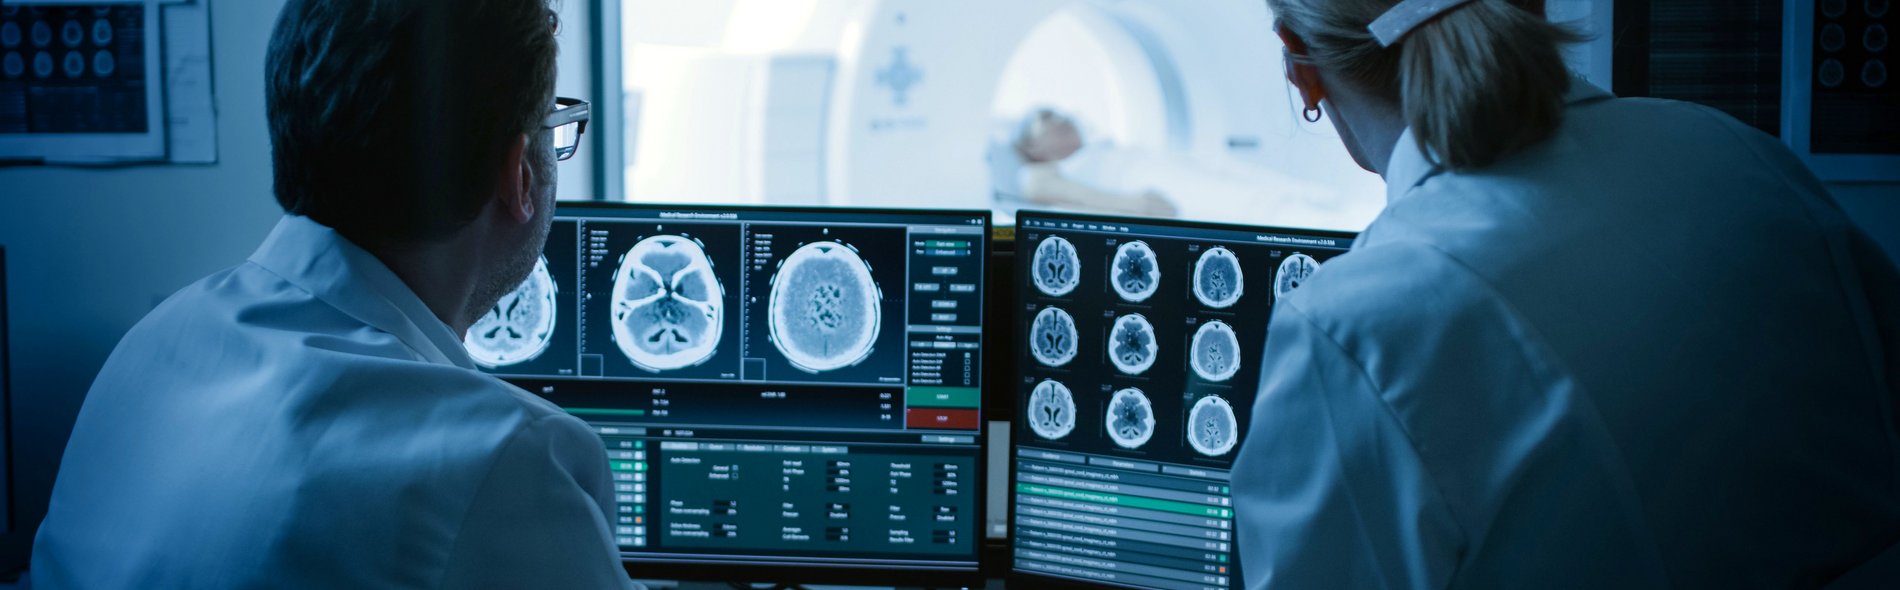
(1122, 500)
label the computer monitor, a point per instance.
(1138, 362)
(785, 394)
(6, 420)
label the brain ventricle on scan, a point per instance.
(668, 304)
(520, 326)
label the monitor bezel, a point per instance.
(6, 406)
(813, 573)
(1041, 580)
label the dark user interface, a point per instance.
(1138, 352)
(773, 386)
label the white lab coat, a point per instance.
(302, 420)
(1649, 351)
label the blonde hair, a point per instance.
(1476, 84)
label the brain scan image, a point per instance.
(1131, 419)
(1052, 337)
(1217, 279)
(1135, 274)
(1212, 430)
(1293, 273)
(824, 307)
(519, 327)
(1131, 344)
(667, 307)
(1056, 269)
(1216, 351)
(1051, 410)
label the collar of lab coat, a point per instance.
(319, 260)
(1409, 167)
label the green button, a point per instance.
(943, 397)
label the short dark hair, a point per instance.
(390, 119)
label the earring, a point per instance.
(1312, 114)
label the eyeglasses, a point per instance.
(569, 121)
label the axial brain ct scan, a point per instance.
(1131, 419)
(824, 307)
(1217, 278)
(1132, 344)
(520, 326)
(1141, 371)
(1135, 274)
(1051, 410)
(1215, 351)
(821, 368)
(1054, 268)
(1293, 271)
(668, 305)
(1052, 337)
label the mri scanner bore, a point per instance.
(1134, 274)
(1052, 337)
(1212, 429)
(1057, 268)
(668, 306)
(1132, 348)
(824, 307)
(1131, 419)
(519, 327)
(1217, 278)
(1051, 410)
(1215, 351)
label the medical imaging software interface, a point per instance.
(1139, 345)
(774, 387)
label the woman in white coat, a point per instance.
(1590, 341)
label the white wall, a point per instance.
(90, 251)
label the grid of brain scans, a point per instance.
(776, 387)
(1136, 381)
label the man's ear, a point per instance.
(515, 194)
(1303, 76)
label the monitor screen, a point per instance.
(783, 393)
(1137, 353)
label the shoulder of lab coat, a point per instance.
(1383, 449)
(302, 421)
(547, 482)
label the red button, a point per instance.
(941, 418)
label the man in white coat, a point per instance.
(309, 418)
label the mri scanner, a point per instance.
(908, 103)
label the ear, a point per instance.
(1303, 76)
(515, 194)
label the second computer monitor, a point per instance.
(785, 394)
(1139, 344)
